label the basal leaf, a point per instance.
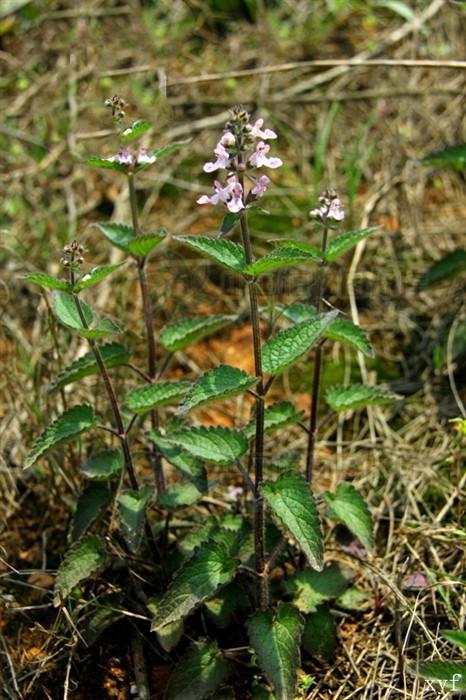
(190, 466)
(348, 507)
(47, 281)
(455, 637)
(135, 130)
(346, 241)
(226, 253)
(449, 675)
(90, 504)
(279, 258)
(276, 638)
(169, 636)
(177, 335)
(449, 266)
(286, 347)
(354, 599)
(71, 423)
(450, 157)
(292, 504)
(150, 396)
(197, 580)
(97, 274)
(198, 673)
(113, 355)
(65, 309)
(216, 384)
(80, 562)
(179, 496)
(119, 235)
(320, 634)
(96, 162)
(132, 511)
(298, 313)
(302, 246)
(345, 331)
(103, 465)
(276, 416)
(342, 398)
(216, 444)
(310, 588)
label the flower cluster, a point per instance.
(238, 153)
(72, 254)
(126, 157)
(330, 207)
(117, 105)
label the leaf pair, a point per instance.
(87, 279)
(336, 247)
(125, 238)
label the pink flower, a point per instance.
(222, 194)
(234, 492)
(236, 202)
(260, 158)
(331, 208)
(231, 195)
(260, 186)
(142, 158)
(416, 580)
(228, 139)
(124, 157)
(223, 159)
(265, 134)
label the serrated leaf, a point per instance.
(197, 580)
(119, 235)
(286, 347)
(149, 396)
(346, 241)
(455, 637)
(106, 163)
(216, 384)
(345, 331)
(320, 634)
(354, 599)
(450, 157)
(277, 416)
(280, 257)
(449, 675)
(104, 328)
(169, 636)
(190, 466)
(103, 465)
(298, 313)
(132, 512)
(65, 309)
(198, 673)
(449, 266)
(97, 274)
(179, 496)
(276, 637)
(342, 398)
(311, 588)
(71, 423)
(113, 355)
(145, 243)
(90, 504)
(229, 222)
(169, 148)
(293, 506)
(47, 281)
(347, 506)
(80, 562)
(302, 246)
(216, 444)
(135, 130)
(177, 335)
(226, 253)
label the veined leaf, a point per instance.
(96, 162)
(169, 148)
(216, 384)
(145, 243)
(90, 504)
(71, 423)
(292, 504)
(342, 398)
(197, 580)
(150, 396)
(198, 673)
(97, 274)
(226, 253)
(320, 634)
(345, 331)
(132, 511)
(179, 496)
(229, 222)
(346, 241)
(190, 466)
(47, 281)
(311, 588)
(280, 257)
(135, 130)
(450, 675)
(177, 335)
(104, 328)
(298, 313)
(216, 444)
(455, 637)
(103, 465)
(113, 355)
(276, 638)
(65, 309)
(303, 246)
(449, 266)
(348, 507)
(286, 347)
(276, 416)
(450, 157)
(119, 235)
(80, 562)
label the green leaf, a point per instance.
(302, 246)
(132, 512)
(47, 281)
(145, 243)
(342, 398)
(190, 466)
(280, 257)
(104, 328)
(198, 673)
(179, 496)
(455, 637)
(90, 504)
(97, 274)
(103, 465)
(320, 634)
(345, 331)
(286, 347)
(71, 423)
(67, 313)
(277, 416)
(346, 241)
(226, 253)
(135, 130)
(150, 396)
(96, 162)
(231, 600)
(400, 8)
(292, 504)
(229, 222)
(451, 157)
(119, 235)
(347, 506)
(354, 599)
(169, 148)
(216, 384)
(80, 562)
(113, 355)
(276, 637)
(169, 636)
(450, 675)
(298, 313)
(177, 335)
(216, 444)
(449, 266)
(197, 580)
(311, 588)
